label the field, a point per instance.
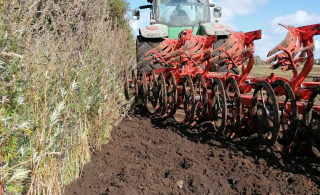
(150, 155)
(265, 70)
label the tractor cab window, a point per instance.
(182, 12)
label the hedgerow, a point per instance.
(61, 70)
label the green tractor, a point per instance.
(169, 17)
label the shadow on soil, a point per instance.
(299, 162)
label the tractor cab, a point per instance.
(169, 17)
(181, 13)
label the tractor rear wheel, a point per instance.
(144, 45)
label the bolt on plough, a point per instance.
(188, 87)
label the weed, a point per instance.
(61, 70)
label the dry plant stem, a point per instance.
(36, 119)
(2, 146)
(102, 114)
(45, 91)
(11, 96)
(34, 175)
(20, 1)
(11, 54)
(61, 152)
(3, 85)
(45, 106)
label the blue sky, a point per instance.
(249, 15)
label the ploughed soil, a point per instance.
(152, 155)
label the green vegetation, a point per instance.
(61, 64)
(117, 12)
(258, 61)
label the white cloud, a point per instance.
(232, 8)
(299, 18)
(264, 45)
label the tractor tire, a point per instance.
(224, 68)
(144, 45)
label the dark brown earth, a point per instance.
(150, 155)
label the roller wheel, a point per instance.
(172, 93)
(288, 119)
(265, 112)
(219, 106)
(188, 99)
(162, 94)
(130, 85)
(143, 89)
(153, 93)
(234, 109)
(312, 122)
(201, 97)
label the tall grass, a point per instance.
(61, 70)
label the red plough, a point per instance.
(186, 87)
